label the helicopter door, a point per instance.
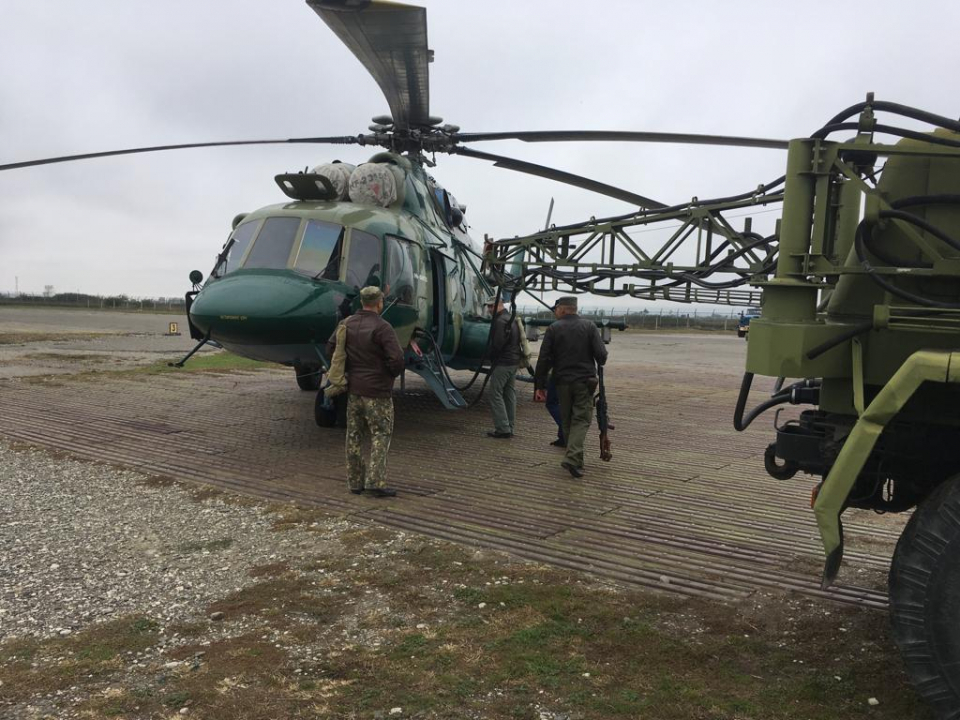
(406, 297)
(447, 317)
(439, 303)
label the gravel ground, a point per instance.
(83, 542)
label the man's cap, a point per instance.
(566, 301)
(370, 294)
(490, 300)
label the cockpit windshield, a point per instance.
(364, 264)
(320, 250)
(236, 248)
(274, 244)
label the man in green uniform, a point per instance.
(572, 349)
(374, 359)
(505, 356)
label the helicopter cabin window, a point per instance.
(320, 250)
(364, 263)
(402, 261)
(274, 243)
(238, 245)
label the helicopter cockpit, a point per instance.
(316, 248)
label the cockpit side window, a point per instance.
(320, 250)
(402, 260)
(274, 243)
(365, 261)
(236, 246)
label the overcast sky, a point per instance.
(82, 77)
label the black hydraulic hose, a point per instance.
(906, 202)
(739, 422)
(942, 199)
(922, 224)
(889, 130)
(742, 400)
(859, 245)
(853, 332)
(897, 109)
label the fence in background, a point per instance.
(98, 302)
(653, 319)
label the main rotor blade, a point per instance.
(624, 136)
(390, 39)
(561, 176)
(340, 140)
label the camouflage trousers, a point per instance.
(368, 420)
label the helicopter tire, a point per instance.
(308, 378)
(924, 596)
(325, 417)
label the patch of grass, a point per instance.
(159, 481)
(206, 493)
(242, 677)
(406, 630)
(283, 599)
(551, 642)
(187, 629)
(292, 516)
(271, 570)
(220, 361)
(21, 338)
(57, 663)
(204, 546)
(355, 541)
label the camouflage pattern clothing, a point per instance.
(368, 419)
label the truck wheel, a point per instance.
(741, 333)
(308, 378)
(925, 595)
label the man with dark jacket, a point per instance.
(374, 359)
(505, 357)
(572, 349)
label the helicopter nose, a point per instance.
(267, 308)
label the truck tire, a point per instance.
(741, 333)
(925, 595)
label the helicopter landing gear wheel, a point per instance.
(330, 416)
(325, 417)
(308, 377)
(924, 596)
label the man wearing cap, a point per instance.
(572, 349)
(506, 352)
(374, 359)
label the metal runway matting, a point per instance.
(684, 507)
